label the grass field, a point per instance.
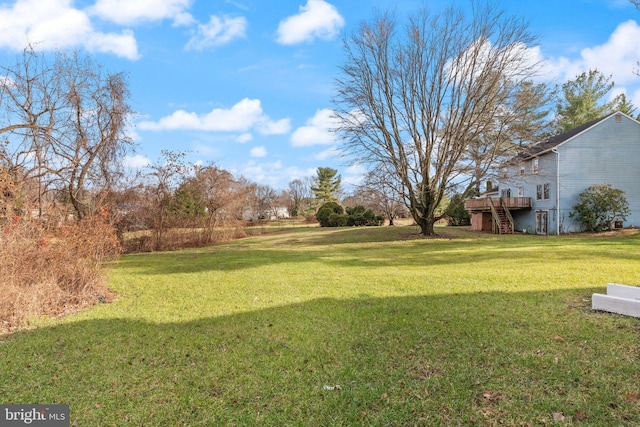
(372, 326)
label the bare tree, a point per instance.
(164, 177)
(224, 198)
(382, 195)
(94, 140)
(30, 97)
(66, 123)
(410, 104)
(300, 197)
(520, 122)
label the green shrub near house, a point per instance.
(599, 207)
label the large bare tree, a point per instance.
(64, 124)
(411, 102)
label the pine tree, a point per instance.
(326, 184)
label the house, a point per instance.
(271, 214)
(538, 188)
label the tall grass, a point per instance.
(373, 326)
(51, 269)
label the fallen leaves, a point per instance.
(633, 397)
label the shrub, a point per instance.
(52, 270)
(325, 211)
(455, 213)
(337, 220)
(599, 206)
(360, 216)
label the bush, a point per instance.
(325, 211)
(599, 206)
(52, 270)
(455, 213)
(337, 220)
(360, 216)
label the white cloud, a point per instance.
(56, 24)
(316, 19)
(218, 31)
(258, 152)
(136, 162)
(617, 56)
(354, 175)
(242, 117)
(272, 173)
(128, 12)
(317, 130)
(331, 153)
(184, 19)
(263, 173)
(123, 44)
(244, 138)
(280, 127)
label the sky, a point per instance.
(248, 84)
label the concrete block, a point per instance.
(614, 304)
(623, 291)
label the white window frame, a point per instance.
(535, 165)
(543, 191)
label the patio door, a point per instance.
(542, 222)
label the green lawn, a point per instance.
(469, 329)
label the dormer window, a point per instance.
(534, 165)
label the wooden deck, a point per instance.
(512, 203)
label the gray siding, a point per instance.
(608, 152)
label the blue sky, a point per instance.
(247, 84)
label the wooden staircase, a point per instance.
(502, 219)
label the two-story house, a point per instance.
(538, 188)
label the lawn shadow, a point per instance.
(492, 357)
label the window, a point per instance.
(534, 165)
(504, 173)
(521, 169)
(520, 191)
(542, 192)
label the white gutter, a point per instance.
(554, 150)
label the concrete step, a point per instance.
(619, 299)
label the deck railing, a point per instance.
(508, 202)
(506, 208)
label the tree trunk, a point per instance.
(426, 225)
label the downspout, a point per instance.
(557, 190)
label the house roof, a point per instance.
(547, 145)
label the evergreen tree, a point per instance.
(326, 184)
(583, 100)
(624, 105)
